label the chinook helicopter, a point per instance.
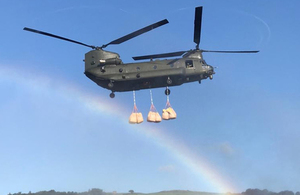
(107, 70)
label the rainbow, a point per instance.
(196, 164)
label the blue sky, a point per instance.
(60, 131)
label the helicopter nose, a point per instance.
(211, 69)
(210, 72)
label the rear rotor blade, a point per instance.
(229, 51)
(58, 37)
(137, 33)
(163, 55)
(197, 25)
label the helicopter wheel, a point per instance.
(211, 77)
(167, 91)
(112, 95)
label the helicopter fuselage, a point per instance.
(108, 71)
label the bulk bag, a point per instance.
(135, 117)
(157, 117)
(172, 113)
(165, 115)
(153, 115)
(140, 118)
(168, 112)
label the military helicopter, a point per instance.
(107, 70)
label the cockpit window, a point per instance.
(189, 64)
(203, 62)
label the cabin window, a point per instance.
(189, 64)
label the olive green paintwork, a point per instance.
(107, 70)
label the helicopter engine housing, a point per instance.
(96, 58)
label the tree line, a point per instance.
(96, 191)
(266, 192)
(93, 191)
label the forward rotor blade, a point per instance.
(229, 51)
(58, 37)
(163, 55)
(137, 33)
(197, 25)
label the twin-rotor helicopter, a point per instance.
(107, 70)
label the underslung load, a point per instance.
(153, 115)
(168, 112)
(136, 117)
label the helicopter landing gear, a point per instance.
(112, 95)
(169, 81)
(167, 91)
(211, 77)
